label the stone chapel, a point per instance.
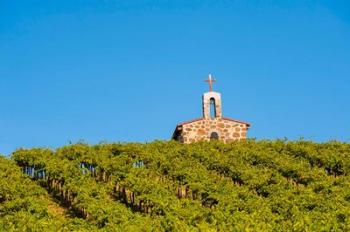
(212, 126)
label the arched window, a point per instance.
(212, 108)
(214, 136)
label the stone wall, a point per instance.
(201, 130)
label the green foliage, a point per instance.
(24, 205)
(166, 186)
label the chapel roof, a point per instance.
(223, 118)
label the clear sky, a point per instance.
(126, 70)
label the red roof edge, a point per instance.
(188, 122)
(234, 120)
(224, 118)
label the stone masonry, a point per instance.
(228, 130)
(212, 126)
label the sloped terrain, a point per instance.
(25, 206)
(166, 186)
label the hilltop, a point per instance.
(166, 186)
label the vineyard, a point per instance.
(166, 186)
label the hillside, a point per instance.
(167, 186)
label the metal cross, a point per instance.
(210, 81)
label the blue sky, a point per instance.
(131, 70)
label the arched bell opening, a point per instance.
(212, 108)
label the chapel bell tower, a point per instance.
(212, 107)
(213, 125)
